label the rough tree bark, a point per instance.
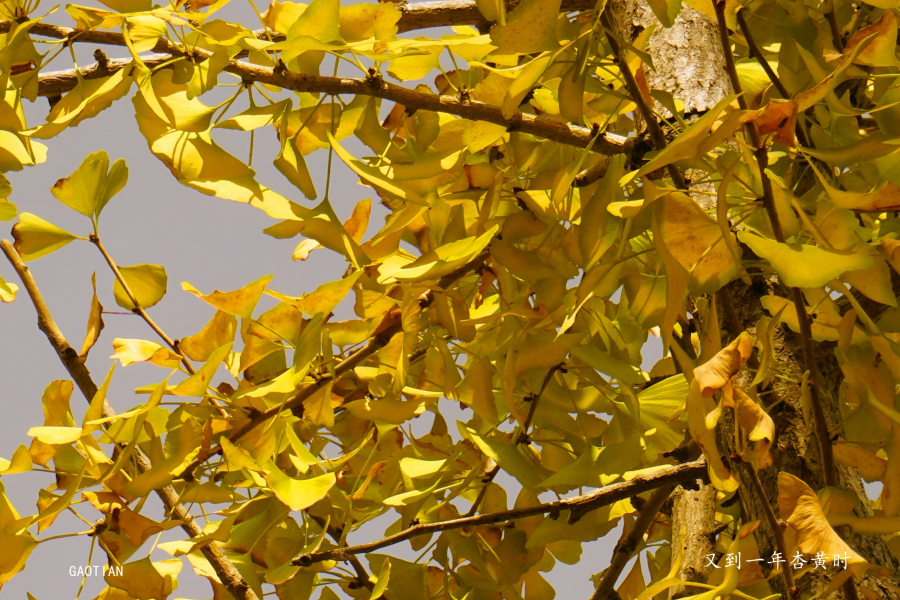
(688, 63)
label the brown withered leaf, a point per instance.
(94, 324)
(715, 373)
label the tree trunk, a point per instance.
(689, 62)
(795, 450)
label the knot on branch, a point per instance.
(374, 78)
(98, 527)
(102, 60)
(303, 561)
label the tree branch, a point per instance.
(226, 571)
(58, 82)
(624, 549)
(389, 328)
(577, 506)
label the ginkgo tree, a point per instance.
(717, 176)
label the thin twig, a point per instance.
(223, 567)
(138, 309)
(625, 549)
(486, 483)
(532, 408)
(577, 506)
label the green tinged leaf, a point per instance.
(147, 283)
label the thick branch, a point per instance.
(226, 571)
(577, 506)
(56, 83)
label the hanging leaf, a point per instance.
(146, 282)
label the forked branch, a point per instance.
(226, 571)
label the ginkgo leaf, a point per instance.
(145, 579)
(7, 291)
(36, 237)
(698, 406)
(147, 283)
(756, 424)
(219, 331)
(130, 352)
(17, 543)
(298, 494)
(239, 303)
(90, 188)
(530, 27)
(808, 530)
(715, 374)
(20, 463)
(804, 265)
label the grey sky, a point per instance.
(209, 242)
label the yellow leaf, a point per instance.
(529, 28)
(870, 466)
(7, 291)
(696, 242)
(17, 544)
(36, 237)
(299, 494)
(219, 331)
(147, 283)
(239, 303)
(89, 188)
(197, 384)
(20, 463)
(698, 406)
(808, 530)
(882, 50)
(144, 579)
(56, 435)
(757, 426)
(715, 373)
(95, 322)
(130, 352)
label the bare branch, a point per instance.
(226, 571)
(577, 506)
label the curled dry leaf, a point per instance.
(758, 429)
(715, 373)
(94, 324)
